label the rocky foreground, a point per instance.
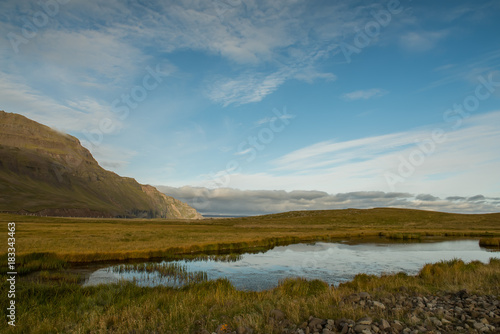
(444, 313)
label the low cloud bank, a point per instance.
(228, 201)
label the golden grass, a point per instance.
(53, 302)
(126, 308)
(89, 239)
(490, 242)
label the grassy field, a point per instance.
(92, 239)
(49, 299)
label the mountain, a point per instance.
(45, 172)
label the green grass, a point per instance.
(175, 272)
(65, 307)
(32, 262)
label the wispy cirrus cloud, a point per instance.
(247, 88)
(254, 86)
(267, 120)
(364, 94)
(467, 71)
(74, 116)
(420, 41)
(477, 134)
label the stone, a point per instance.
(316, 323)
(330, 324)
(414, 319)
(478, 325)
(364, 321)
(354, 298)
(361, 328)
(384, 324)
(436, 322)
(364, 295)
(379, 305)
(463, 294)
(397, 326)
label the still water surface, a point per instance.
(333, 263)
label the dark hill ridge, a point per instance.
(46, 172)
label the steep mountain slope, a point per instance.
(46, 172)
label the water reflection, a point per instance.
(331, 262)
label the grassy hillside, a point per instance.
(49, 173)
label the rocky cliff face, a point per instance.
(46, 172)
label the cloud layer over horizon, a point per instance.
(235, 202)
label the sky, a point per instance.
(250, 107)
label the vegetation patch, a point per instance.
(490, 242)
(66, 307)
(175, 272)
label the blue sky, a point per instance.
(283, 104)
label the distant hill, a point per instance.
(46, 172)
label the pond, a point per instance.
(332, 262)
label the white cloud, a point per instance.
(364, 94)
(255, 86)
(263, 34)
(310, 74)
(444, 67)
(329, 153)
(267, 120)
(104, 50)
(229, 201)
(98, 56)
(245, 89)
(422, 40)
(73, 116)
